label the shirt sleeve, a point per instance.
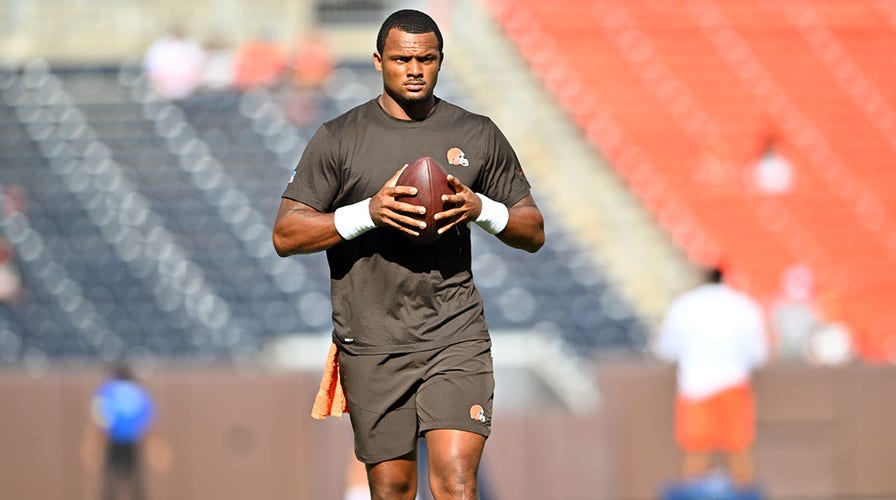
(315, 181)
(666, 346)
(502, 179)
(758, 348)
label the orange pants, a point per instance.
(725, 421)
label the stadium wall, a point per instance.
(236, 434)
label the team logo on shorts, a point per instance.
(478, 413)
(457, 157)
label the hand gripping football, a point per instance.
(431, 181)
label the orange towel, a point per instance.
(330, 399)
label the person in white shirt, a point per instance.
(174, 64)
(716, 335)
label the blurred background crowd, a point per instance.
(144, 145)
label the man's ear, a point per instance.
(441, 59)
(378, 61)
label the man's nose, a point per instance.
(415, 68)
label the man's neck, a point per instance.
(409, 111)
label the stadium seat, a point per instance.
(660, 88)
(158, 215)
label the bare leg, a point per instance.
(393, 479)
(454, 463)
(695, 464)
(742, 469)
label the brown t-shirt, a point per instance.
(390, 296)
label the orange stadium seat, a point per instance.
(669, 85)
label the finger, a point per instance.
(454, 199)
(400, 206)
(406, 230)
(406, 225)
(448, 214)
(447, 226)
(394, 191)
(396, 213)
(456, 183)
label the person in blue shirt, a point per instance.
(122, 414)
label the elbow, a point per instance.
(280, 251)
(525, 228)
(531, 241)
(535, 244)
(280, 245)
(536, 241)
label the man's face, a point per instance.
(410, 66)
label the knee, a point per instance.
(392, 487)
(458, 483)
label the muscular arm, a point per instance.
(300, 229)
(525, 228)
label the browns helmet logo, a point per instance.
(457, 157)
(477, 413)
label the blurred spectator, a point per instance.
(218, 71)
(174, 64)
(10, 279)
(801, 331)
(15, 199)
(302, 108)
(122, 415)
(830, 345)
(714, 486)
(311, 61)
(311, 64)
(793, 315)
(773, 174)
(260, 62)
(716, 336)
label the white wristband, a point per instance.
(494, 215)
(353, 220)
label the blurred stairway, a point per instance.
(591, 200)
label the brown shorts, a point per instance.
(395, 398)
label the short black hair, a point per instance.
(409, 21)
(121, 370)
(714, 274)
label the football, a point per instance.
(431, 181)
